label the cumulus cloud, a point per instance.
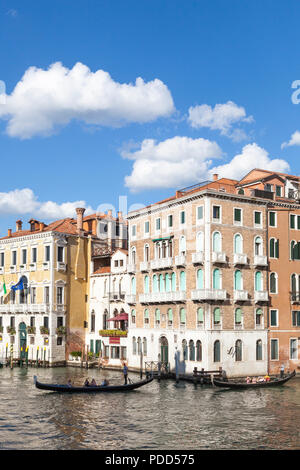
(222, 117)
(24, 201)
(252, 156)
(173, 162)
(44, 100)
(294, 140)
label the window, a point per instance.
(296, 317)
(157, 224)
(200, 213)
(278, 190)
(59, 322)
(293, 349)
(146, 317)
(155, 283)
(258, 246)
(216, 279)
(133, 317)
(59, 295)
(274, 248)
(182, 317)
(273, 317)
(200, 279)
(168, 282)
(133, 286)
(32, 322)
(268, 187)
(14, 258)
(170, 317)
(238, 281)
(272, 219)
(34, 255)
(273, 283)
(1, 259)
(115, 352)
(274, 349)
(237, 216)
(33, 295)
(147, 227)
(116, 263)
(133, 230)
(238, 317)
(295, 250)
(157, 317)
(145, 346)
(292, 221)
(24, 257)
(46, 322)
(92, 323)
(200, 316)
(192, 350)
(173, 282)
(199, 242)
(170, 221)
(47, 295)
(258, 281)
(238, 244)
(258, 317)
(198, 351)
(47, 253)
(146, 284)
(217, 242)
(217, 351)
(238, 350)
(259, 350)
(216, 213)
(182, 281)
(161, 283)
(59, 340)
(60, 254)
(257, 218)
(217, 316)
(182, 217)
(184, 349)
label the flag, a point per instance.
(18, 286)
(3, 288)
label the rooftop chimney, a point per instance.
(9, 232)
(109, 213)
(120, 215)
(42, 226)
(215, 176)
(80, 211)
(18, 225)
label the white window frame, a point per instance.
(261, 219)
(269, 213)
(277, 358)
(200, 221)
(297, 346)
(216, 221)
(237, 223)
(277, 317)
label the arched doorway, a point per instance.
(164, 349)
(23, 340)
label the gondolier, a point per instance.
(125, 373)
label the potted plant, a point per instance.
(61, 330)
(76, 355)
(11, 330)
(31, 330)
(44, 330)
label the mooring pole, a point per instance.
(141, 364)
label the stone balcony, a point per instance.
(145, 266)
(260, 260)
(219, 257)
(162, 263)
(180, 260)
(131, 268)
(208, 294)
(130, 299)
(240, 295)
(198, 257)
(240, 258)
(162, 297)
(261, 296)
(25, 308)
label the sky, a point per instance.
(116, 104)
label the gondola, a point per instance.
(88, 389)
(243, 385)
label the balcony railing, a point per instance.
(131, 268)
(208, 294)
(198, 257)
(162, 263)
(240, 258)
(162, 297)
(295, 297)
(261, 296)
(145, 266)
(218, 257)
(113, 333)
(180, 260)
(25, 308)
(130, 299)
(260, 260)
(61, 266)
(240, 295)
(117, 296)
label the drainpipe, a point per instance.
(268, 269)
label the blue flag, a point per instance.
(18, 286)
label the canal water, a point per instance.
(159, 416)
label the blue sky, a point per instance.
(223, 72)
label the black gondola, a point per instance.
(242, 385)
(89, 389)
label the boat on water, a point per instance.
(276, 381)
(88, 389)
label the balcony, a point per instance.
(32, 267)
(240, 258)
(240, 295)
(13, 269)
(130, 299)
(198, 257)
(116, 296)
(114, 333)
(209, 294)
(60, 308)
(295, 297)
(162, 263)
(1, 269)
(145, 266)
(23, 267)
(61, 266)
(180, 260)
(219, 257)
(162, 297)
(131, 268)
(46, 265)
(260, 260)
(261, 296)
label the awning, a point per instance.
(162, 238)
(121, 317)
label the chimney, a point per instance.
(120, 215)
(215, 176)
(18, 225)
(9, 232)
(109, 214)
(42, 226)
(80, 211)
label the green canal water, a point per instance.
(158, 416)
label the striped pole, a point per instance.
(37, 356)
(27, 356)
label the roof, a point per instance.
(67, 225)
(102, 270)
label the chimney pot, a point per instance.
(215, 176)
(80, 211)
(9, 232)
(18, 225)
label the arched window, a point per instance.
(238, 284)
(200, 279)
(155, 283)
(200, 316)
(198, 351)
(217, 316)
(139, 345)
(216, 279)
(241, 191)
(164, 249)
(184, 349)
(173, 279)
(238, 244)
(133, 286)
(259, 350)
(192, 350)
(200, 242)
(182, 317)
(182, 245)
(145, 346)
(273, 283)
(238, 316)
(217, 351)
(170, 317)
(258, 246)
(161, 283)
(274, 248)
(133, 316)
(134, 345)
(133, 255)
(157, 317)
(146, 316)
(258, 281)
(104, 320)
(217, 242)
(182, 281)
(146, 284)
(157, 251)
(295, 250)
(146, 253)
(168, 283)
(238, 350)
(258, 317)
(170, 249)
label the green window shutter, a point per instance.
(277, 249)
(170, 221)
(146, 285)
(298, 222)
(170, 314)
(238, 280)
(272, 219)
(200, 213)
(217, 315)
(168, 284)
(200, 283)
(182, 217)
(216, 279)
(258, 281)
(273, 319)
(292, 221)
(173, 282)
(146, 314)
(200, 315)
(257, 218)
(161, 283)
(272, 247)
(157, 314)
(182, 315)
(237, 215)
(238, 316)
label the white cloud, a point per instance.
(174, 162)
(222, 117)
(44, 100)
(252, 156)
(294, 140)
(24, 201)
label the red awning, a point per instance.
(122, 316)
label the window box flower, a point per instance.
(113, 333)
(61, 330)
(11, 330)
(44, 330)
(31, 330)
